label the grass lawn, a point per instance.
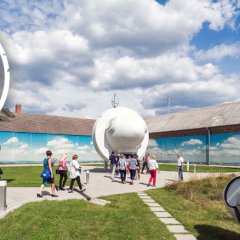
(127, 217)
(199, 168)
(172, 167)
(199, 206)
(29, 176)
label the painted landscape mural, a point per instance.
(224, 148)
(31, 147)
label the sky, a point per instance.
(69, 57)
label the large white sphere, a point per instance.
(121, 130)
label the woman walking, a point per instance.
(153, 167)
(122, 166)
(132, 163)
(47, 164)
(62, 167)
(75, 174)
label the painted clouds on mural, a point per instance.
(192, 147)
(224, 148)
(31, 148)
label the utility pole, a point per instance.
(168, 100)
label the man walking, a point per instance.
(180, 162)
(113, 162)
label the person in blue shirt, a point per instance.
(47, 164)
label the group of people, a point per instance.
(120, 164)
(129, 163)
(62, 169)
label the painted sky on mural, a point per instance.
(224, 148)
(27, 147)
(66, 56)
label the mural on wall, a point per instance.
(31, 147)
(224, 148)
(193, 148)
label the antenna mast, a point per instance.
(115, 101)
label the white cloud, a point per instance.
(40, 151)
(219, 52)
(231, 143)
(23, 145)
(193, 152)
(84, 147)
(11, 141)
(231, 152)
(60, 143)
(192, 141)
(152, 143)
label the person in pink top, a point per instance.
(62, 166)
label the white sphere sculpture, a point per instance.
(121, 130)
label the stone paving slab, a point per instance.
(157, 209)
(153, 204)
(162, 214)
(149, 201)
(145, 197)
(176, 229)
(169, 221)
(184, 237)
(142, 194)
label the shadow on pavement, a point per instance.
(46, 193)
(143, 183)
(207, 232)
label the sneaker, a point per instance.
(54, 195)
(70, 191)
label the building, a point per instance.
(24, 138)
(209, 135)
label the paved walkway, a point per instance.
(99, 185)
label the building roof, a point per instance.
(209, 117)
(34, 123)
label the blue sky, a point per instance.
(69, 57)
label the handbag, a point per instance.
(57, 171)
(45, 174)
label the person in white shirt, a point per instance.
(180, 162)
(75, 174)
(153, 167)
